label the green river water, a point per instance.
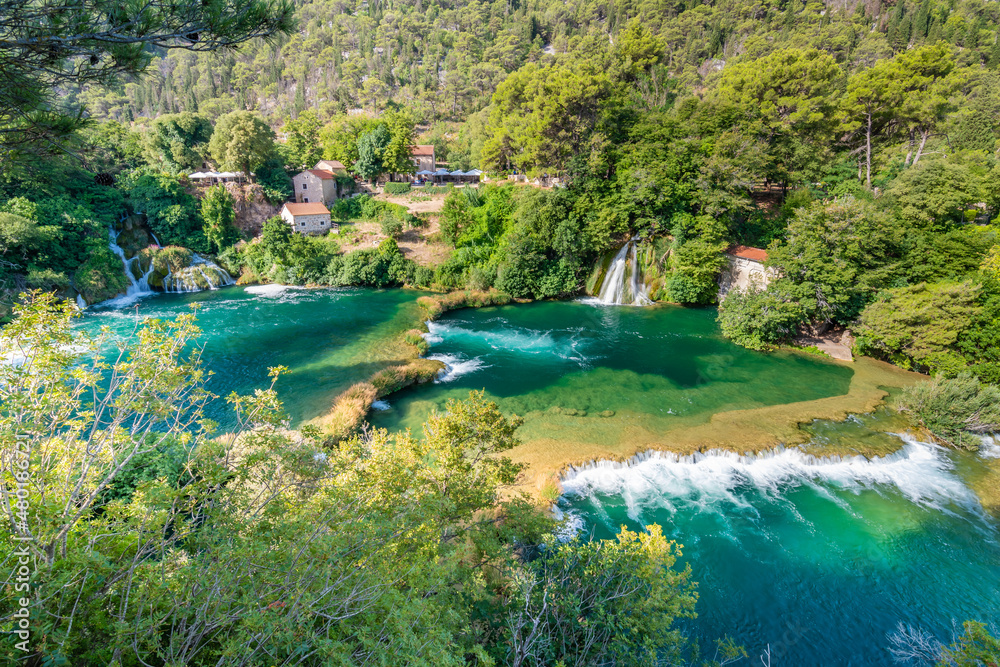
(817, 558)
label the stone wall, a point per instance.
(308, 223)
(740, 273)
(317, 190)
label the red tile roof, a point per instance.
(322, 173)
(422, 149)
(746, 252)
(310, 208)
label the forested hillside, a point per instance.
(445, 59)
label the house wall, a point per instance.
(423, 162)
(316, 189)
(740, 273)
(305, 224)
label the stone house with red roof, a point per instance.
(423, 157)
(308, 218)
(320, 184)
(745, 268)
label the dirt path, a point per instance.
(423, 204)
(832, 344)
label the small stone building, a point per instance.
(423, 157)
(315, 186)
(308, 218)
(745, 268)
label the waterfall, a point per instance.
(202, 274)
(623, 284)
(136, 288)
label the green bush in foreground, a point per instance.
(266, 546)
(956, 410)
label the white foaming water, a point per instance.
(381, 405)
(456, 367)
(80, 303)
(991, 447)
(623, 285)
(504, 338)
(570, 524)
(431, 337)
(919, 470)
(136, 288)
(269, 290)
(513, 339)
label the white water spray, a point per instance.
(136, 288)
(456, 366)
(623, 285)
(920, 471)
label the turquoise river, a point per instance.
(819, 559)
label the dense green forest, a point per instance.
(445, 59)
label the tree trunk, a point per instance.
(920, 149)
(868, 153)
(909, 152)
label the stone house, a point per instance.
(308, 218)
(315, 186)
(320, 184)
(335, 166)
(745, 268)
(423, 157)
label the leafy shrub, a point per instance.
(391, 225)
(423, 276)
(172, 213)
(369, 206)
(956, 410)
(275, 181)
(758, 319)
(167, 461)
(396, 188)
(170, 259)
(379, 267)
(101, 277)
(348, 208)
(47, 279)
(919, 326)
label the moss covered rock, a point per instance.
(101, 277)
